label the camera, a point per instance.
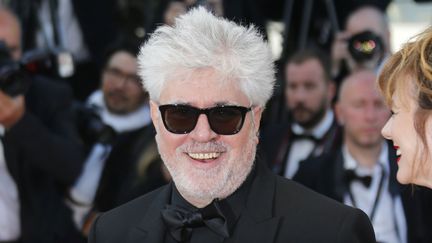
(13, 81)
(15, 76)
(90, 125)
(366, 47)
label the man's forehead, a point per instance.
(9, 25)
(202, 88)
(197, 104)
(310, 70)
(124, 61)
(361, 89)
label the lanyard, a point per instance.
(377, 196)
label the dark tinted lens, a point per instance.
(178, 118)
(226, 120)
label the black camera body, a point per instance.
(13, 79)
(366, 47)
(15, 76)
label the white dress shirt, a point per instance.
(10, 228)
(389, 220)
(301, 148)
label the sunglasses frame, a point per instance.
(197, 112)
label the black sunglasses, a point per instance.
(223, 120)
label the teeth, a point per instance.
(398, 152)
(204, 155)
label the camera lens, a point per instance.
(365, 46)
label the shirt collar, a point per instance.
(120, 123)
(320, 129)
(351, 164)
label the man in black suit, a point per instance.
(40, 154)
(362, 171)
(114, 170)
(312, 128)
(208, 81)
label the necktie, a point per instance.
(181, 221)
(351, 176)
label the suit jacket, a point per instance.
(276, 140)
(121, 177)
(44, 157)
(324, 174)
(277, 210)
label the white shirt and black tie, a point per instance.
(388, 219)
(302, 147)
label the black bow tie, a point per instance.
(305, 136)
(180, 221)
(351, 176)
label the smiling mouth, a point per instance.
(398, 153)
(204, 156)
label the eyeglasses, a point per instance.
(116, 74)
(223, 120)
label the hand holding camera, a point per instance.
(361, 50)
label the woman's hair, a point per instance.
(408, 73)
(200, 40)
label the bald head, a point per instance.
(10, 32)
(361, 110)
(372, 19)
(352, 83)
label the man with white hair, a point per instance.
(208, 81)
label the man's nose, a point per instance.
(202, 131)
(300, 95)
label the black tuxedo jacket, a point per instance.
(120, 177)
(276, 140)
(44, 157)
(324, 175)
(277, 210)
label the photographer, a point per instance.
(121, 146)
(364, 43)
(40, 154)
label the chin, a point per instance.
(208, 185)
(403, 177)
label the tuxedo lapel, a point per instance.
(340, 187)
(257, 223)
(11, 159)
(151, 229)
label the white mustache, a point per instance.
(196, 147)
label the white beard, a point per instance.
(218, 182)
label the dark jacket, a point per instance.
(276, 140)
(44, 158)
(277, 210)
(122, 179)
(324, 175)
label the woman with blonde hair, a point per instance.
(406, 83)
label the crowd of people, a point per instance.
(187, 113)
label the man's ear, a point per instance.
(331, 91)
(339, 114)
(257, 117)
